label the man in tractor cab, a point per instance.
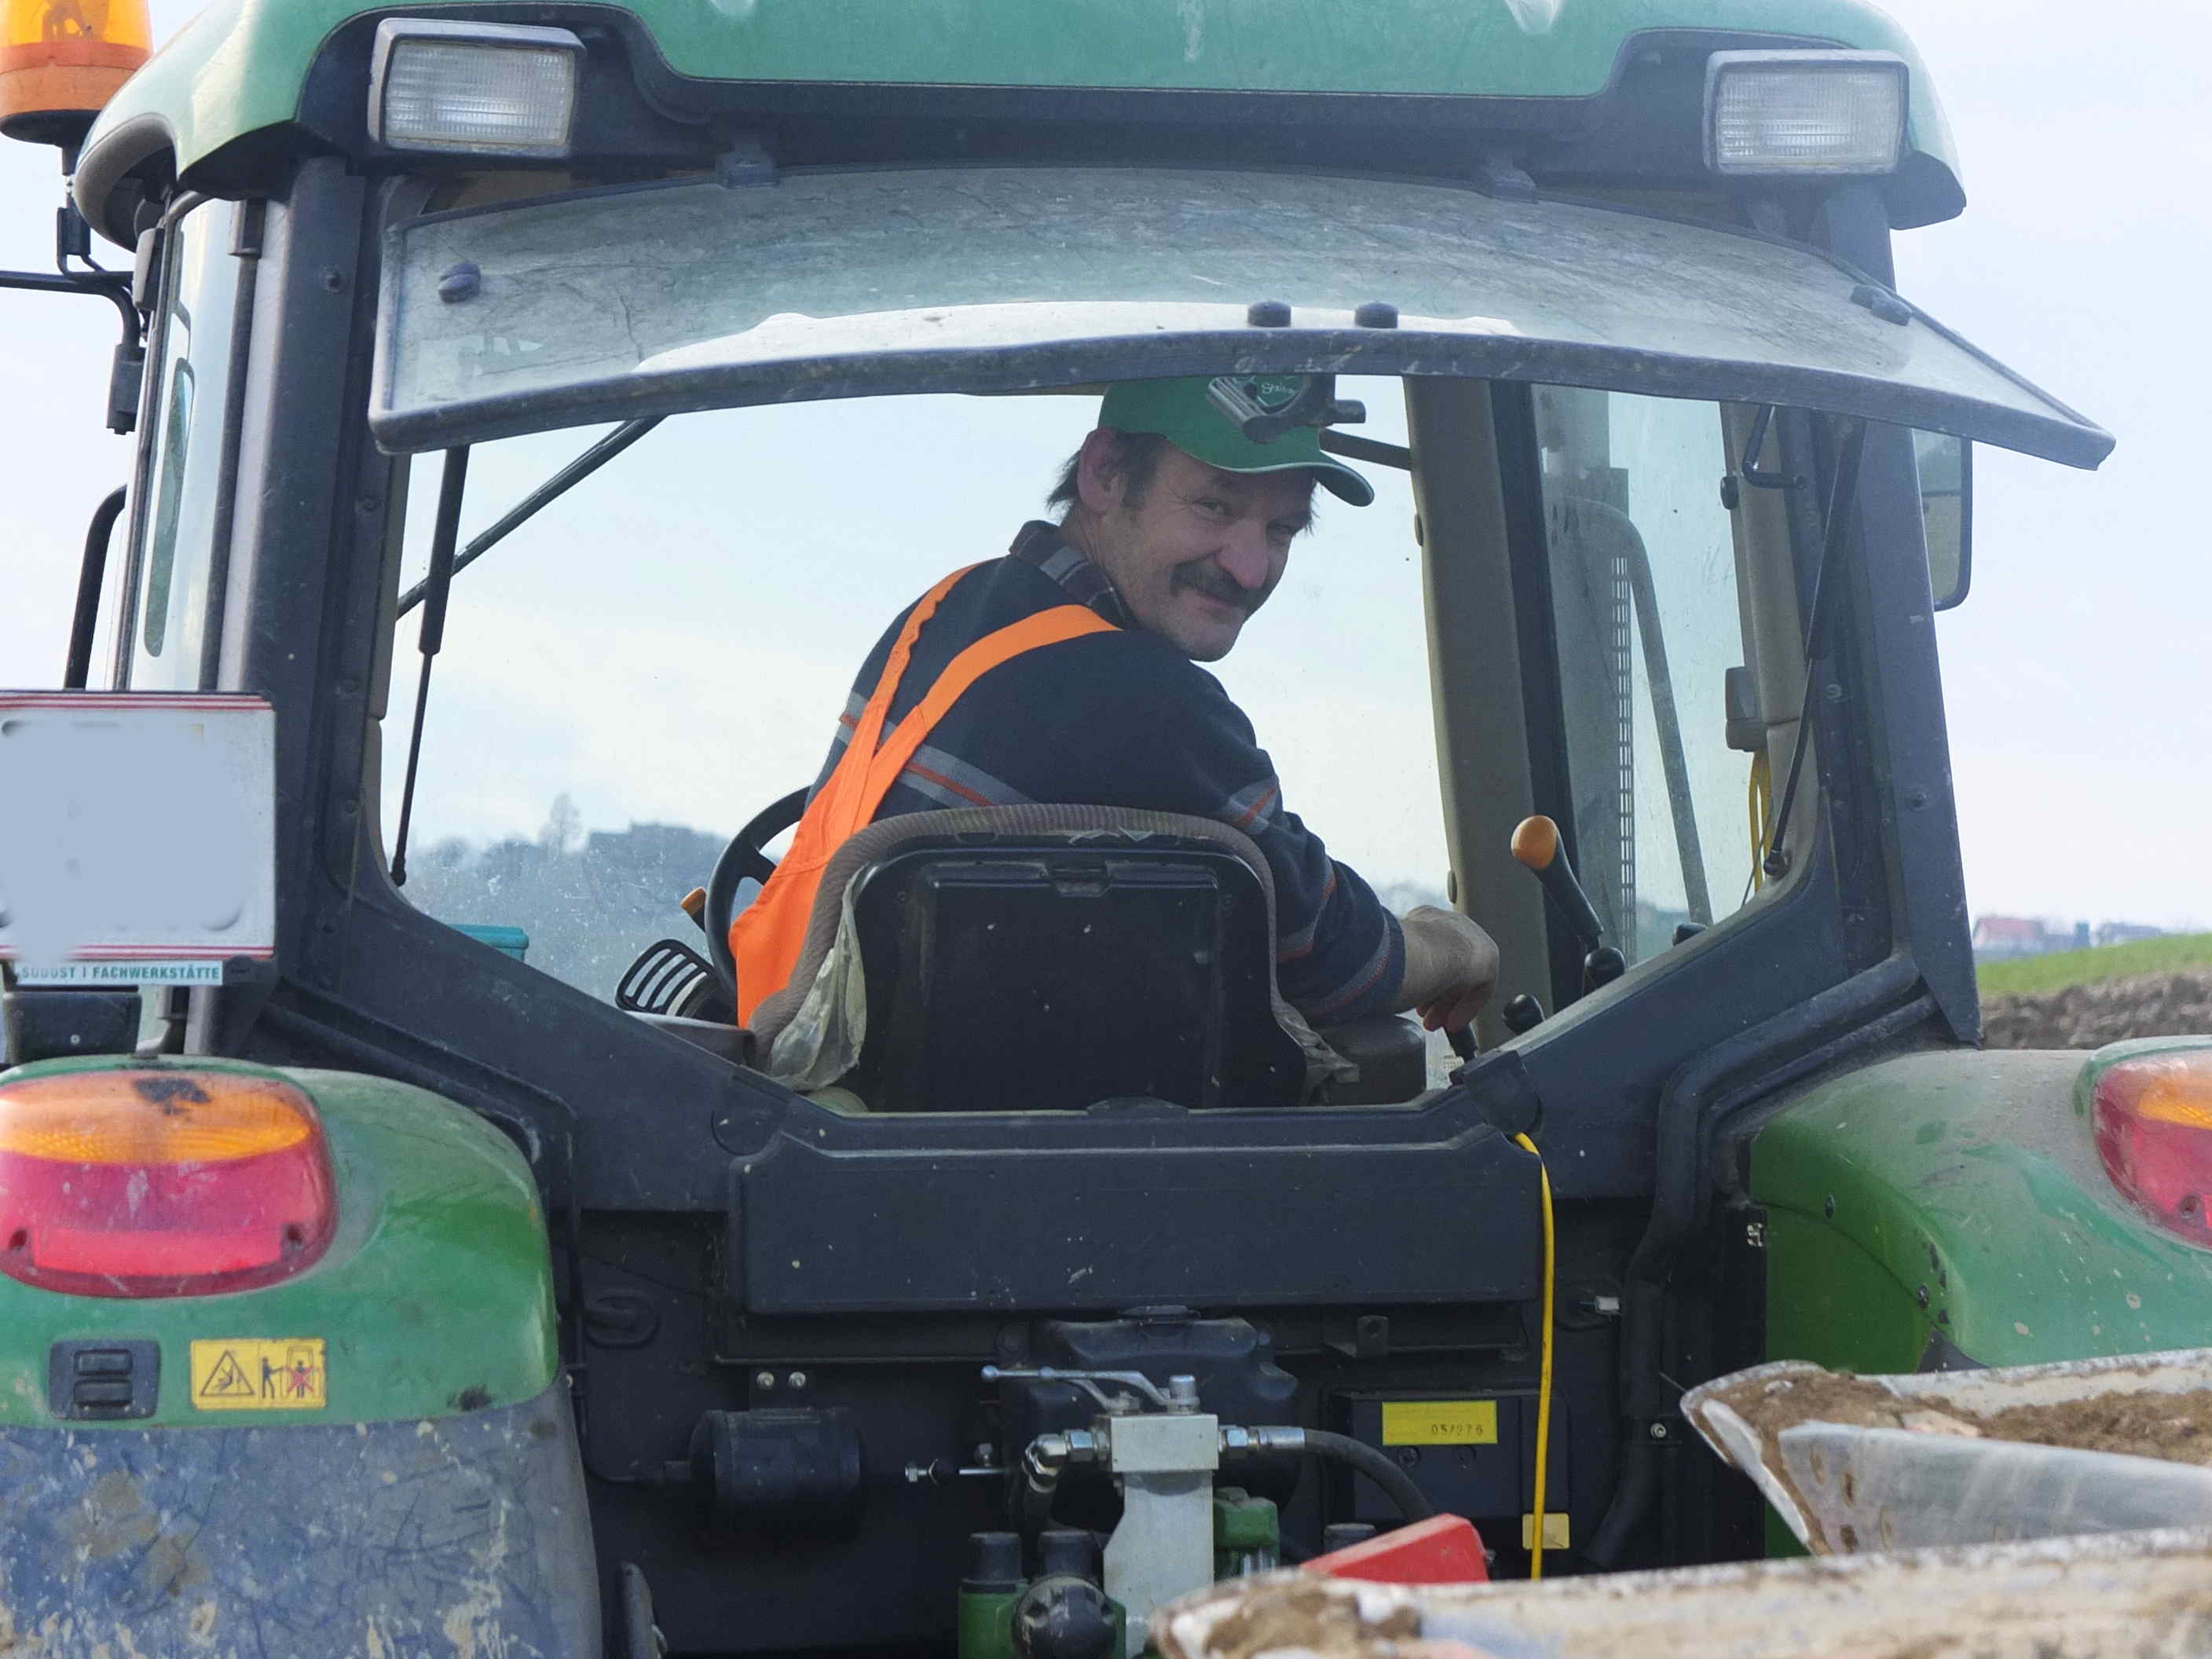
(1068, 672)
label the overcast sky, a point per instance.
(2076, 671)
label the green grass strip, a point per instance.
(2030, 976)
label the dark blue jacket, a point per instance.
(1124, 718)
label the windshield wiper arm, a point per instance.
(551, 490)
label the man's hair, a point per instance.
(1137, 453)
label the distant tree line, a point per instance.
(589, 902)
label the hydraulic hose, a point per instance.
(1397, 1485)
(1042, 1463)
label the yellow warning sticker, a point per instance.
(1440, 1422)
(251, 1374)
(1557, 1534)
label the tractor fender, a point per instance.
(1948, 1208)
(375, 1456)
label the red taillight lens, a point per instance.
(2153, 1122)
(160, 1180)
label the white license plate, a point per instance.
(137, 835)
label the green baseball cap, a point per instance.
(1206, 416)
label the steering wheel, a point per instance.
(743, 857)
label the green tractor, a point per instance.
(412, 1261)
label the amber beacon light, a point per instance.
(62, 60)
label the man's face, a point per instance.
(1199, 551)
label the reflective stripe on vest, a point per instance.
(768, 934)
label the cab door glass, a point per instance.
(1644, 594)
(177, 527)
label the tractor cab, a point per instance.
(1638, 681)
(546, 416)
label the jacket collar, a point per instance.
(1042, 545)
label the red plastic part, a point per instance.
(1445, 1549)
(2164, 1167)
(165, 1230)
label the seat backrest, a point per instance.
(1041, 958)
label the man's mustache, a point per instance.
(1215, 583)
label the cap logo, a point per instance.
(1272, 393)
(1247, 400)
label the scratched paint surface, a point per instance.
(465, 1537)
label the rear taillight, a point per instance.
(160, 1180)
(2154, 1123)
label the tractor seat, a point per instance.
(1041, 958)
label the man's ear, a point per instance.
(1101, 476)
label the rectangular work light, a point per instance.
(474, 88)
(1804, 114)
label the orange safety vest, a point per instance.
(767, 934)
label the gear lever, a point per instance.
(1536, 845)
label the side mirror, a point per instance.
(1946, 509)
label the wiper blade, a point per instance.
(524, 510)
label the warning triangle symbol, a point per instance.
(228, 1381)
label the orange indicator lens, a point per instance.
(155, 1116)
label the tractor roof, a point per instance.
(242, 67)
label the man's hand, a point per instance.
(1451, 968)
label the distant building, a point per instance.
(2015, 936)
(2125, 932)
(509, 862)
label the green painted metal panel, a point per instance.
(1974, 1176)
(435, 1297)
(239, 64)
(1839, 1306)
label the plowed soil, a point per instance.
(2090, 1015)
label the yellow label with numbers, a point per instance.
(1557, 1535)
(250, 1373)
(1440, 1422)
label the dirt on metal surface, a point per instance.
(2139, 1595)
(2109, 1011)
(2176, 1427)
(1771, 1405)
(1306, 1618)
